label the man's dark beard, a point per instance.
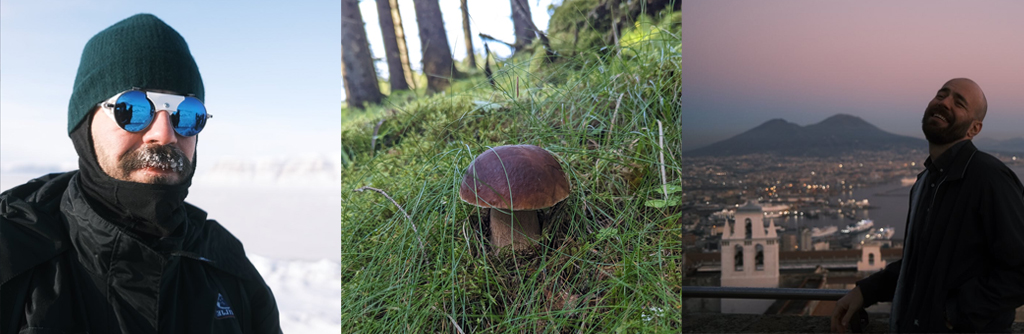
(952, 133)
(158, 156)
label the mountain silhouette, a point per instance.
(1008, 146)
(836, 135)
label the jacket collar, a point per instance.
(100, 243)
(953, 163)
(124, 267)
(115, 248)
(960, 160)
(943, 162)
(34, 228)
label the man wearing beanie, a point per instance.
(113, 247)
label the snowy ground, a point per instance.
(278, 222)
(308, 293)
(295, 230)
(287, 214)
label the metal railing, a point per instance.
(857, 325)
(762, 293)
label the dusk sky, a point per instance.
(746, 62)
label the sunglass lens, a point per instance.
(190, 117)
(133, 111)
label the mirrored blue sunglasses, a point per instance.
(134, 109)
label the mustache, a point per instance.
(156, 156)
(940, 110)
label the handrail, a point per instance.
(858, 324)
(762, 293)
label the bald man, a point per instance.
(963, 257)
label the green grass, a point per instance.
(610, 260)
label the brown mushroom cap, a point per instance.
(536, 179)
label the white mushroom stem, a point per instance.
(522, 233)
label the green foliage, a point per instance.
(570, 28)
(609, 261)
(646, 33)
(587, 24)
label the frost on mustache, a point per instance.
(164, 159)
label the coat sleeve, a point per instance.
(1000, 288)
(12, 302)
(265, 317)
(880, 286)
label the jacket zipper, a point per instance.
(935, 195)
(191, 255)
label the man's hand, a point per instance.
(845, 308)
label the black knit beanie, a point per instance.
(140, 51)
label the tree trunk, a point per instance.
(468, 35)
(396, 74)
(357, 71)
(522, 22)
(403, 48)
(437, 58)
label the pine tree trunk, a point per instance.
(396, 74)
(403, 48)
(522, 22)
(357, 71)
(467, 35)
(437, 58)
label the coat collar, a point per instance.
(942, 163)
(962, 158)
(100, 243)
(954, 166)
(34, 229)
(123, 267)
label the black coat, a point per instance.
(969, 268)
(64, 269)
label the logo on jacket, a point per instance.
(223, 309)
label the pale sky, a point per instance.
(271, 69)
(746, 62)
(489, 17)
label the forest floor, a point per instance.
(610, 258)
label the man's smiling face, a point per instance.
(950, 115)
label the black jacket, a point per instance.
(969, 268)
(64, 269)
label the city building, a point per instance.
(750, 258)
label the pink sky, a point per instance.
(745, 62)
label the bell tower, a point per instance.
(750, 258)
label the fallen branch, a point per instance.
(399, 208)
(457, 327)
(486, 36)
(373, 142)
(487, 66)
(661, 153)
(614, 114)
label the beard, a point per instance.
(164, 157)
(955, 130)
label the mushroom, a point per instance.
(514, 181)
